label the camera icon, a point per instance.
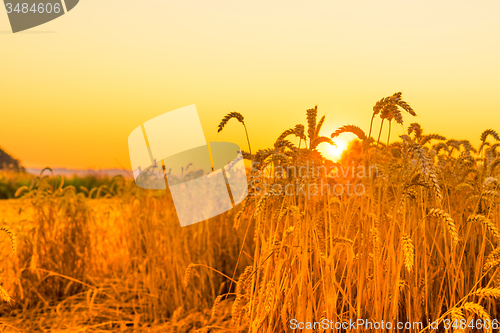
(205, 179)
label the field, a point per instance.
(395, 232)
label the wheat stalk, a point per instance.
(408, 252)
(484, 137)
(430, 137)
(452, 229)
(417, 129)
(236, 310)
(216, 305)
(5, 296)
(238, 116)
(242, 287)
(375, 239)
(427, 169)
(187, 274)
(487, 223)
(13, 238)
(488, 292)
(492, 260)
(318, 126)
(311, 122)
(480, 312)
(456, 315)
(350, 129)
(261, 205)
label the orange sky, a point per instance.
(73, 89)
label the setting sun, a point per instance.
(335, 152)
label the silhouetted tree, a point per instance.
(8, 162)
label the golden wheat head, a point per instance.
(456, 315)
(480, 312)
(238, 116)
(312, 115)
(5, 296)
(13, 238)
(216, 305)
(492, 260)
(487, 223)
(350, 129)
(408, 252)
(187, 274)
(452, 229)
(489, 132)
(488, 292)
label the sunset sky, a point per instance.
(72, 90)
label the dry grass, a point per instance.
(420, 244)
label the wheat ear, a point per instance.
(452, 229)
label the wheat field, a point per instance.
(394, 232)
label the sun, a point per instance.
(335, 152)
